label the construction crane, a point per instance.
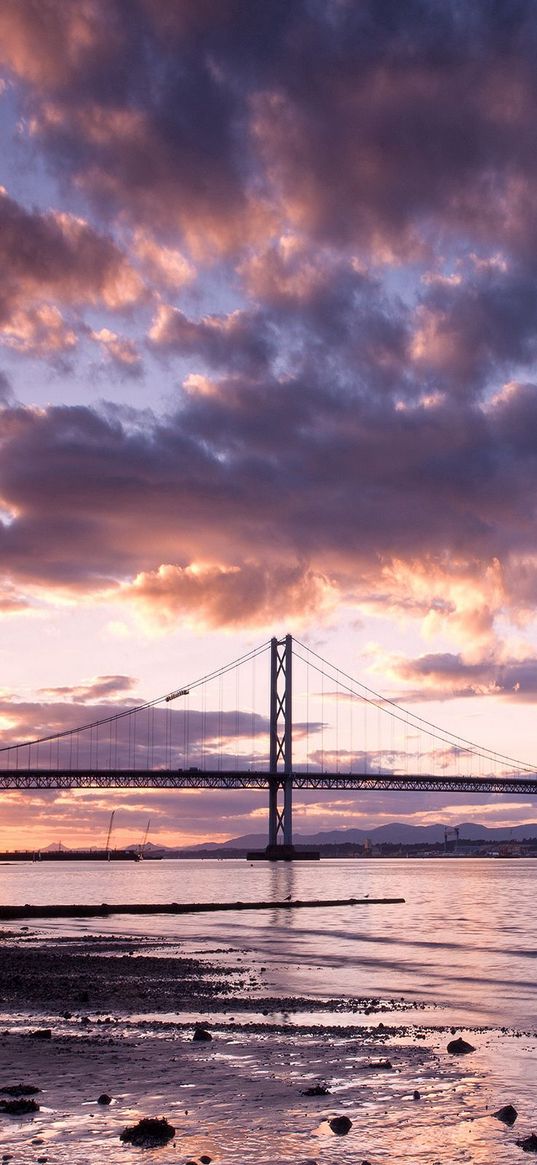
(109, 834)
(451, 832)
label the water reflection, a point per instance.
(466, 935)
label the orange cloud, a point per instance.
(217, 596)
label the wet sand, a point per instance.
(122, 1014)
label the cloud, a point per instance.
(38, 331)
(474, 327)
(121, 351)
(124, 128)
(59, 254)
(163, 265)
(219, 507)
(239, 341)
(238, 596)
(6, 391)
(55, 258)
(448, 676)
(103, 687)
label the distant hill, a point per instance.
(396, 833)
(148, 848)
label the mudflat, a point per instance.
(111, 1031)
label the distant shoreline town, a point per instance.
(396, 840)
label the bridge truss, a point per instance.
(149, 779)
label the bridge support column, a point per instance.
(280, 832)
(281, 745)
(280, 839)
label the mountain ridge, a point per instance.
(396, 833)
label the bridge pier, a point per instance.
(280, 831)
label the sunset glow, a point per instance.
(269, 339)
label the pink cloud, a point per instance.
(56, 259)
(216, 596)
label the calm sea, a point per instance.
(465, 938)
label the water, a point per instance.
(465, 939)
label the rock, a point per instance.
(200, 1033)
(340, 1125)
(20, 1089)
(460, 1047)
(507, 1114)
(416, 1095)
(528, 1144)
(316, 1090)
(379, 1065)
(149, 1133)
(41, 1033)
(19, 1107)
(205, 1159)
(104, 1098)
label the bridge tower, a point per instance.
(280, 781)
(281, 744)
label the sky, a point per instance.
(268, 318)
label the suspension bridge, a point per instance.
(345, 736)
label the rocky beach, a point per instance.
(101, 1032)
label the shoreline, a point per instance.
(239, 1096)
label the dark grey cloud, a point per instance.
(239, 342)
(6, 391)
(340, 489)
(101, 688)
(348, 422)
(365, 121)
(54, 265)
(477, 327)
(447, 675)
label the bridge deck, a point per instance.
(203, 779)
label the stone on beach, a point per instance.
(507, 1114)
(19, 1107)
(201, 1033)
(340, 1125)
(460, 1047)
(528, 1144)
(149, 1133)
(316, 1090)
(104, 1098)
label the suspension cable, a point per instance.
(236, 663)
(407, 717)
